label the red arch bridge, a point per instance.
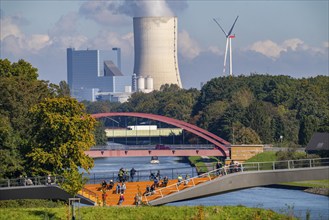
(220, 146)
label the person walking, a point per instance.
(121, 199)
(118, 188)
(132, 174)
(104, 196)
(123, 188)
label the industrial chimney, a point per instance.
(155, 40)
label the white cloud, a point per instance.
(37, 42)
(14, 41)
(188, 47)
(274, 50)
(267, 48)
(103, 12)
(215, 50)
(106, 40)
(8, 28)
(75, 41)
(66, 25)
(293, 44)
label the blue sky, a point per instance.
(275, 37)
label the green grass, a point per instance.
(199, 163)
(271, 156)
(310, 184)
(263, 157)
(141, 213)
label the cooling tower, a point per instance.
(155, 40)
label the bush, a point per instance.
(31, 203)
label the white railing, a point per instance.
(243, 167)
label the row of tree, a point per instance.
(251, 109)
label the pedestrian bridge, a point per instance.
(246, 175)
(40, 188)
(226, 179)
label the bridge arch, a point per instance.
(220, 143)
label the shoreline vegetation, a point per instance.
(139, 213)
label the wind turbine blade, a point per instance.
(220, 27)
(231, 65)
(225, 56)
(229, 33)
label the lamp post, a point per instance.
(118, 56)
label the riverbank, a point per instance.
(202, 164)
(313, 190)
(318, 187)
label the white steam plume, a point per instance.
(137, 8)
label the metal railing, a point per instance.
(31, 181)
(142, 175)
(154, 147)
(89, 194)
(243, 167)
(41, 181)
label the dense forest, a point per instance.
(251, 109)
(242, 109)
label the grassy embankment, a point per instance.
(162, 212)
(200, 163)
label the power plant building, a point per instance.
(155, 42)
(91, 74)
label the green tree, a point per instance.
(100, 135)
(259, 118)
(20, 69)
(243, 135)
(61, 132)
(19, 91)
(10, 165)
(64, 89)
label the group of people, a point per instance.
(156, 183)
(108, 186)
(180, 179)
(26, 181)
(231, 168)
(123, 175)
(120, 189)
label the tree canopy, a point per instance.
(60, 134)
(262, 108)
(42, 130)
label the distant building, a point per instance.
(319, 144)
(91, 76)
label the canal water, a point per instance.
(284, 201)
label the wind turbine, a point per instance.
(229, 37)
